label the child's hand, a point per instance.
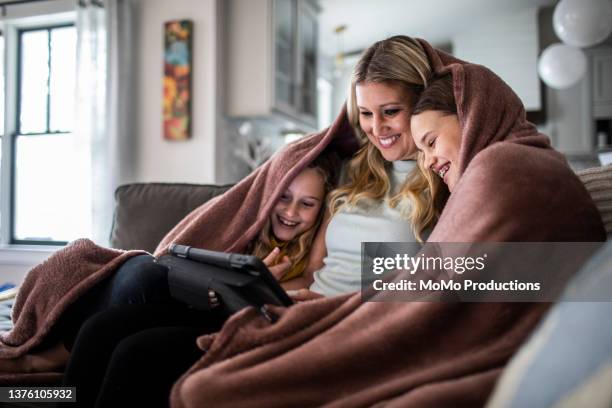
(270, 260)
(278, 267)
(302, 295)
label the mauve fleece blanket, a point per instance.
(227, 223)
(340, 352)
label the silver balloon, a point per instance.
(583, 23)
(561, 66)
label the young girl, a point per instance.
(436, 130)
(105, 359)
(286, 238)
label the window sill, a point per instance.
(17, 260)
(25, 254)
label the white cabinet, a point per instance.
(601, 68)
(569, 119)
(573, 113)
(271, 59)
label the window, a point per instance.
(49, 180)
(1, 99)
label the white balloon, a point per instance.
(583, 23)
(561, 66)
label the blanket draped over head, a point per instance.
(340, 351)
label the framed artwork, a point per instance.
(178, 36)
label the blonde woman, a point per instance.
(386, 196)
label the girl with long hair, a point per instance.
(286, 238)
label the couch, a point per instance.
(566, 362)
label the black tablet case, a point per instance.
(189, 281)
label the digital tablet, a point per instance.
(240, 280)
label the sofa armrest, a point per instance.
(146, 212)
(598, 182)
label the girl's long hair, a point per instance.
(400, 61)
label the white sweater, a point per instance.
(366, 222)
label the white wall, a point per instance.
(176, 161)
(509, 47)
(341, 82)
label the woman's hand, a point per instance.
(278, 267)
(302, 295)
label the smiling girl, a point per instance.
(436, 130)
(286, 239)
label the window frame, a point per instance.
(20, 32)
(17, 132)
(12, 31)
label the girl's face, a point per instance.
(384, 116)
(438, 136)
(298, 207)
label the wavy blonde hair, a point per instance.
(400, 61)
(297, 250)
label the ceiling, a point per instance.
(437, 21)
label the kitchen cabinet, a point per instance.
(569, 119)
(271, 59)
(601, 66)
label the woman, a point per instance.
(507, 184)
(385, 198)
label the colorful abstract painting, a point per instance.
(177, 79)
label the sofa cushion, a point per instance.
(567, 362)
(146, 212)
(598, 182)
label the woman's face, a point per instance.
(384, 116)
(298, 207)
(438, 136)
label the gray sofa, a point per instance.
(145, 212)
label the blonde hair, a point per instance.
(297, 249)
(400, 61)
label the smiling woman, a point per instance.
(384, 85)
(386, 197)
(384, 116)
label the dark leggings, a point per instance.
(131, 355)
(138, 281)
(129, 340)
